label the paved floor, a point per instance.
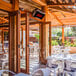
(34, 61)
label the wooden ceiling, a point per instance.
(62, 12)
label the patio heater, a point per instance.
(38, 13)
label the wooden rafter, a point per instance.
(5, 6)
(60, 3)
(39, 2)
(61, 9)
(15, 4)
(56, 18)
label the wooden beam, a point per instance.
(39, 2)
(50, 2)
(61, 4)
(43, 1)
(72, 23)
(15, 5)
(4, 28)
(27, 43)
(69, 21)
(68, 18)
(60, 9)
(5, 6)
(56, 17)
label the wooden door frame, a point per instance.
(26, 70)
(27, 41)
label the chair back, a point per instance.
(68, 64)
(42, 72)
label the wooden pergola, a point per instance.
(19, 17)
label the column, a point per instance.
(14, 41)
(62, 35)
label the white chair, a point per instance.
(52, 66)
(44, 72)
(4, 61)
(68, 69)
(71, 72)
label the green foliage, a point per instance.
(59, 34)
(54, 42)
(68, 43)
(69, 35)
(69, 32)
(37, 36)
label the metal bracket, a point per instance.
(19, 46)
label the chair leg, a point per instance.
(54, 72)
(3, 65)
(74, 74)
(64, 73)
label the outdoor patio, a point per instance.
(37, 37)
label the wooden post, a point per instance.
(41, 43)
(18, 41)
(14, 42)
(45, 48)
(62, 35)
(14, 37)
(46, 31)
(22, 41)
(50, 39)
(27, 42)
(11, 43)
(2, 40)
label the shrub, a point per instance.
(54, 42)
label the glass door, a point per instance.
(24, 45)
(33, 46)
